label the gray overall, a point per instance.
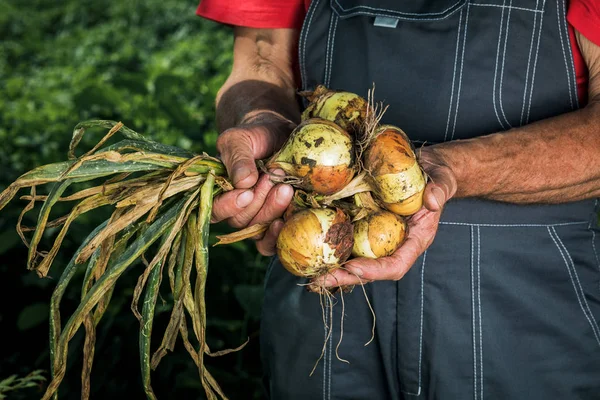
(506, 302)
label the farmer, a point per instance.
(496, 292)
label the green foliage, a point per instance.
(155, 66)
(13, 382)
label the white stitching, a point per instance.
(327, 52)
(513, 225)
(500, 89)
(571, 59)
(460, 73)
(535, 62)
(330, 53)
(454, 74)
(303, 55)
(595, 327)
(479, 305)
(562, 45)
(395, 11)
(421, 331)
(325, 353)
(580, 294)
(330, 359)
(473, 316)
(528, 64)
(496, 67)
(509, 7)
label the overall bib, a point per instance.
(505, 304)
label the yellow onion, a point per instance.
(394, 172)
(320, 154)
(379, 234)
(315, 241)
(346, 109)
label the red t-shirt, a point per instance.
(582, 15)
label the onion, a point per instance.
(394, 173)
(379, 234)
(315, 241)
(320, 153)
(346, 109)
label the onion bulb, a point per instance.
(379, 234)
(320, 153)
(395, 174)
(346, 109)
(315, 241)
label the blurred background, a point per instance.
(156, 67)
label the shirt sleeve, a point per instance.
(584, 16)
(266, 14)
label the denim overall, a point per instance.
(505, 304)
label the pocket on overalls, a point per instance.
(537, 331)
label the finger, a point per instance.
(439, 190)
(421, 234)
(245, 215)
(240, 147)
(442, 182)
(339, 277)
(276, 203)
(231, 203)
(267, 245)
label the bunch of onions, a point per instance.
(336, 157)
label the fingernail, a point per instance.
(354, 270)
(244, 199)
(284, 192)
(278, 172)
(330, 281)
(241, 173)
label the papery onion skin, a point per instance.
(346, 109)
(314, 242)
(320, 153)
(396, 176)
(379, 234)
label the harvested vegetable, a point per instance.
(346, 109)
(395, 174)
(320, 154)
(314, 242)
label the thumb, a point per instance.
(440, 188)
(240, 147)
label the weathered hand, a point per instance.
(422, 228)
(255, 199)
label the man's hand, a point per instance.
(422, 228)
(255, 199)
(255, 110)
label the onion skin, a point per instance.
(320, 153)
(345, 109)
(394, 172)
(314, 242)
(379, 234)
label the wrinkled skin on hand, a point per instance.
(256, 198)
